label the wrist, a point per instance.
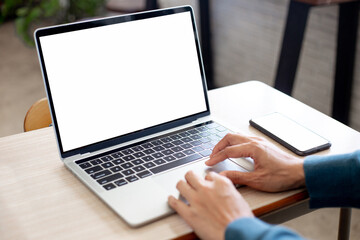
(298, 173)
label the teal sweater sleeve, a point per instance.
(332, 181)
(255, 229)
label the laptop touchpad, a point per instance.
(169, 179)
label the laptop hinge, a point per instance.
(201, 120)
(85, 154)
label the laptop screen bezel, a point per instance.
(108, 21)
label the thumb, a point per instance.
(237, 177)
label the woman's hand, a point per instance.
(274, 169)
(214, 202)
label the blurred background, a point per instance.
(246, 40)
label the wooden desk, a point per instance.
(41, 199)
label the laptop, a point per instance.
(129, 106)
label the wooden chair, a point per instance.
(38, 116)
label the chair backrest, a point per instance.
(38, 116)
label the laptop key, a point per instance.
(168, 145)
(127, 151)
(148, 158)
(188, 152)
(137, 148)
(196, 143)
(149, 165)
(101, 174)
(159, 161)
(147, 145)
(222, 134)
(107, 165)
(137, 161)
(110, 178)
(149, 151)
(186, 139)
(214, 137)
(205, 140)
(186, 146)
(166, 139)
(156, 142)
(129, 158)
(93, 169)
(177, 163)
(158, 148)
(193, 131)
(196, 137)
(184, 134)
(132, 178)
(197, 149)
(201, 129)
(177, 142)
(138, 168)
(207, 145)
(116, 169)
(167, 152)
(158, 155)
(117, 155)
(126, 165)
(128, 172)
(175, 137)
(144, 174)
(96, 162)
(106, 158)
(85, 165)
(206, 153)
(109, 186)
(120, 182)
(179, 155)
(177, 149)
(118, 161)
(169, 158)
(213, 131)
(221, 129)
(139, 154)
(204, 134)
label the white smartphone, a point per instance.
(290, 134)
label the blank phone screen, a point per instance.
(290, 132)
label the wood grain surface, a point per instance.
(41, 199)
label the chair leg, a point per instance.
(151, 4)
(206, 47)
(345, 59)
(291, 46)
(344, 224)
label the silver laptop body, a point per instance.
(118, 83)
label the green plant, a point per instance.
(7, 9)
(28, 12)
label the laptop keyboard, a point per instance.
(141, 160)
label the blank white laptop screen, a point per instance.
(116, 79)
